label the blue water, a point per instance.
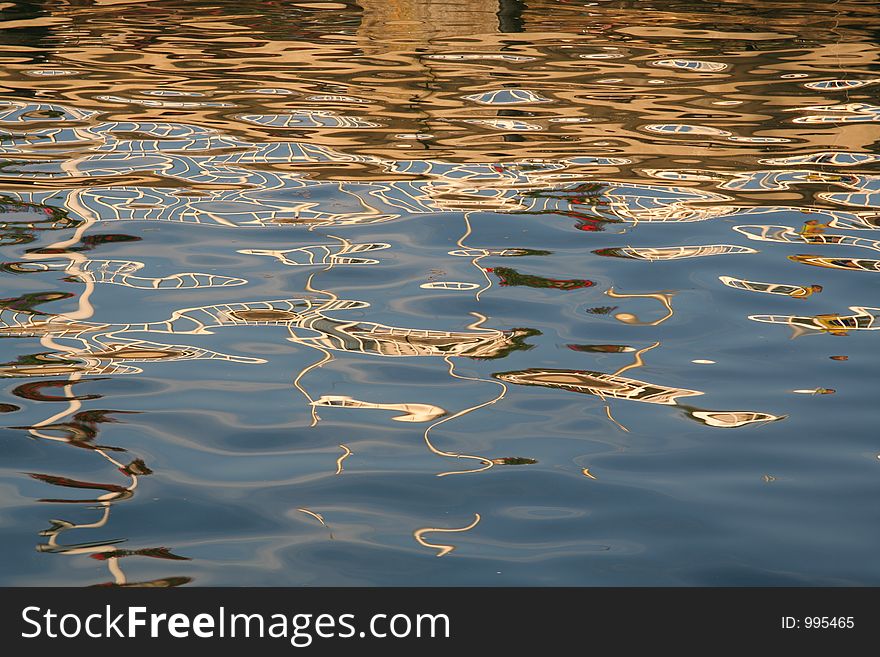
(421, 293)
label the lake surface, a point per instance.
(401, 292)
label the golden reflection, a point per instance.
(316, 516)
(615, 422)
(789, 235)
(119, 272)
(732, 419)
(783, 289)
(617, 387)
(486, 463)
(346, 452)
(449, 285)
(665, 298)
(598, 384)
(849, 264)
(321, 255)
(673, 252)
(442, 550)
(410, 412)
(862, 319)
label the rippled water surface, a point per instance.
(474, 292)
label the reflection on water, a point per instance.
(424, 209)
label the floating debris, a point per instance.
(602, 348)
(478, 56)
(514, 460)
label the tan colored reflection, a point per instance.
(485, 463)
(456, 286)
(675, 252)
(794, 291)
(371, 84)
(862, 319)
(732, 419)
(411, 412)
(120, 272)
(598, 384)
(849, 264)
(617, 387)
(389, 23)
(442, 549)
(318, 517)
(664, 298)
(349, 49)
(789, 235)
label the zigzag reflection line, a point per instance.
(443, 549)
(487, 463)
(475, 262)
(327, 356)
(346, 453)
